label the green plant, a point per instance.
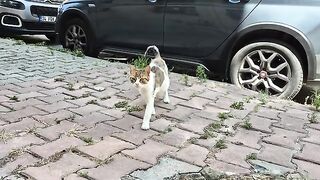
(88, 140)
(221, 144)
(19, 42)
(316, 99)
(313, 118)
(83, 174)
(185, 79)
(247, 124)
(263, 97)
(93, 101)
(105, 98)
(201, 74)
(4, 136)
(224, 115)
(208, 134)
(133, 108)
(141, 62)
(121, 104)
(215, 125)
(40, 44)
(70, 87)
(252, 156)
(14, 98)
(78, 53)
(238, 105)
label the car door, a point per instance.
(131, 24)
(195, 28)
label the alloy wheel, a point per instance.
(76, 37)
(265, 70)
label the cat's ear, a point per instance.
(132, 69)
(147, 70)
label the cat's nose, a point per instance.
(136, 84)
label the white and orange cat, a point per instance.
(152, 82)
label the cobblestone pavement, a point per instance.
(66, 117)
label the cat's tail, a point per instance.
(155, 48)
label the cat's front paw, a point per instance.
(166, 100)
(145, 126)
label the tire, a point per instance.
(267, 66)
(89, 48)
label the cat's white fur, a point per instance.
(153, 89)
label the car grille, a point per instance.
(38, 26)
(43, 11)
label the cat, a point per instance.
(152, 82)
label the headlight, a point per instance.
(12, 4)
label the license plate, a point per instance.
(48, 19)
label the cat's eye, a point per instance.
(133, 80)
(143, 80)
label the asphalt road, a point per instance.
(305, 92)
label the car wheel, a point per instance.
(76, 35)
(269, 67)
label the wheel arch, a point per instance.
(279, 32)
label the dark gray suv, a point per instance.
(263, 45)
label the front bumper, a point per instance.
(28, 20)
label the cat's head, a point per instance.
(139, 77)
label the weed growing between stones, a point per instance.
(313, 118)
(83, 174)
(14, 98)
(263, 97)
(252, 156)
(121, 104)
(59, 79)
(93, 101)
(224, 115)
(247, 124)
(141, 62)
(5, 136)
(125, 105)
(185, 79)
(19, 42)
(238, 105)
(316, 99)
(88, 140)
(201, 74)
(70, 87)
(133, 108)
(221, 144)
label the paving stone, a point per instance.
(126, 123)
(135, 136)
(130, 94)
(315, 126)
(181, 113)
(160, 112)
(291, 123)
(161, 125)
(83, 101)
(150, 151)
(18, 142)
(4, 99)
(51, 108)
(24, 125)
(210, 142)
(261, 124)
(195, 124)
(28, 89)
(170, 106)
(310, 170)
(277, 104)
(55, 131)
(88, 109)
(211, 112)
(227, 168)
(167, 167)
(268, 113)
(223, 103)
(208, 94)
(99, 131)
(105, 94)
(193, 154)
(109, 103)
(51, 148)
(313, 136)
(100, 151)
(284, 138)
(185, 94)
(117, 168)
(247, 138)
(269, 168)
(74, 177)
(276, 155)
(117, 113)
(54, 118)
(92, 119)
(309, 153)
(23, 104)
(15, 116)
(56, 91)
(176, 137)
(7, 92)
(4, 109)
(54, 98)
(235, 154)
(79, 93)
(69, 163)
(196, 103)
(29, 95)
(296, 113)
(22, 162)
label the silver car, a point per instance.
(28, 17)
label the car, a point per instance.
(30, 17)
(269, 46)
